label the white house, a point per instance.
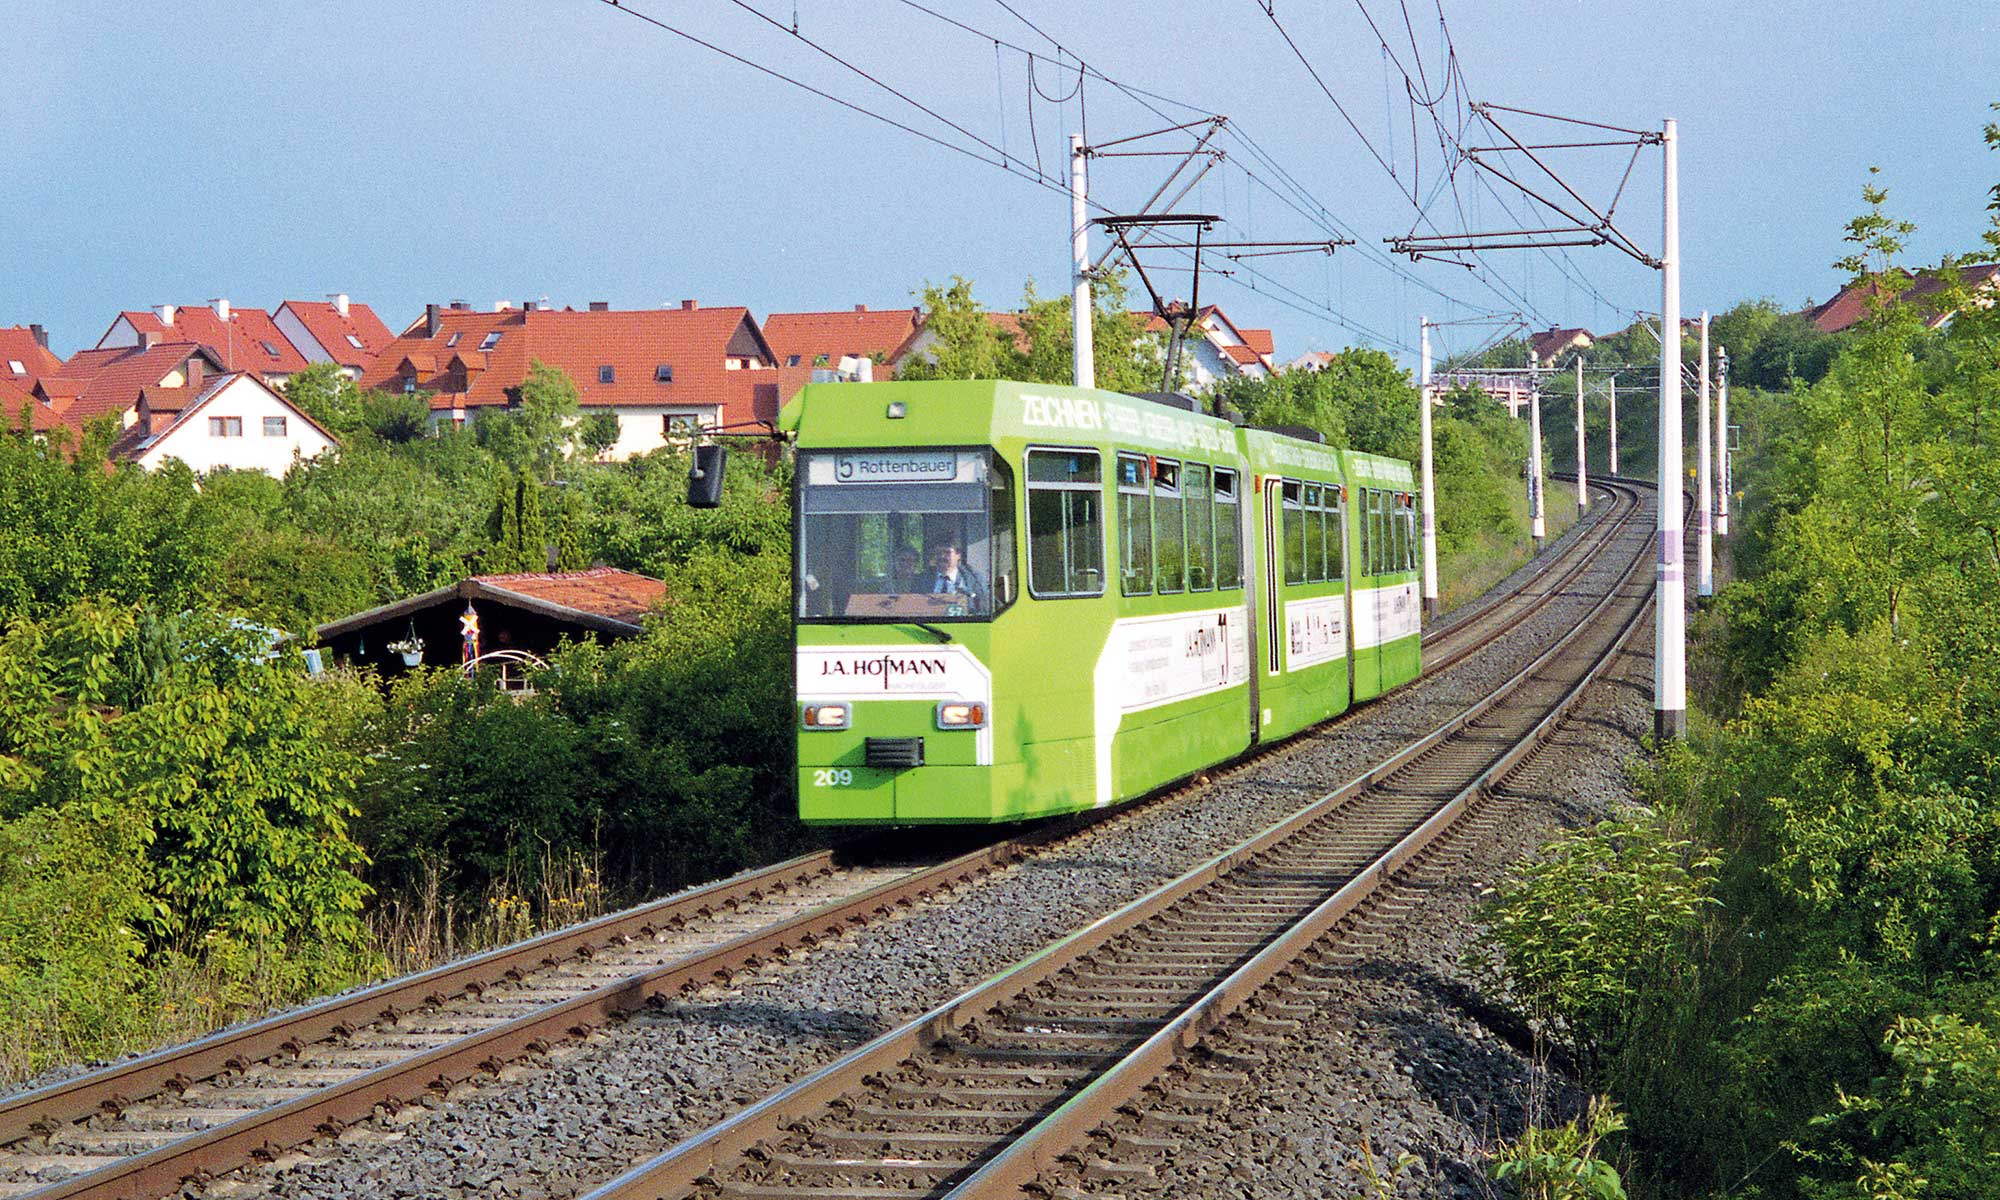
(235, 422)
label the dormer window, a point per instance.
(664, 373)
(607, 374)
(356, 342)
(452, 340)
(269, 349)
(490, 340)
(791, 360)
(409, 384)
(732, 364)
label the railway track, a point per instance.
(980, 1096)
(143, 1127)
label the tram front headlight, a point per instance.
(957, 714)
(827, 716)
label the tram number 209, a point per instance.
(835, 777)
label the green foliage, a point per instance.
(71, 530)
(1562, 1163)
(324, 392)
(536, 433)
(598, 432)
(1600, 922)
(1034, 344)
(396, 417)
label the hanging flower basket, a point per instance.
(411, 648)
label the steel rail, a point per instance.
(703, 1157)
(1034, 1152)
(331, 1107)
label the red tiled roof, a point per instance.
(1551, 342)
(861, 333)
(239, 343)
(606, 591)
(94, 383)
(19, 345)
(1850, 304)
(41, 418)
(331, 330)
(694, 342)
(1244, 355)
(1260, 340)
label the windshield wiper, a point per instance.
(940, 634)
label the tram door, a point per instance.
(1274, 609)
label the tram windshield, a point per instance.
(904, 535)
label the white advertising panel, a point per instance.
(891, 672)
(1315, 631)
(1386, 614)
(1163, 659)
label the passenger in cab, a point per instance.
(952, 575)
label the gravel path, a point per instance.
(553, 1128)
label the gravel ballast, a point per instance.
(594, 1107)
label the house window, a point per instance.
(225, 427)
(269, 349)
(732, 364)
(274, 427)
(409, 384)
(607, 374)
(356, 342)
(791, 360)
(490, 340)
(680, 425)
(452, 340)
(819, 360)
(664, 373)
(16, 365)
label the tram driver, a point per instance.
(952, 575)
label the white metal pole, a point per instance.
(1722, 463)
(1704, 503)
(1430, 547)
(1083, 356)
(1582, 472)
(1669, 580)
(1612, 424)
(1536, 525)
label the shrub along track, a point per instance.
(980, 1096)
(141, 1127)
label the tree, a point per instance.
(598, 432)
(396, 417)
(324, 392)
(1034, 345)
(536, 434)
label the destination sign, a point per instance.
(893, 466)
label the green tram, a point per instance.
(1015, 600)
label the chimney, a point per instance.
(221, 309)
(431, 320)
(194, 373)
(600, 306)
(147, 338)
(502, 306)
(41, 336)
(861, 308)
(461, 306)
(688, 306)
(527, 306)
(166, 312)
(339, 302)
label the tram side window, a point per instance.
(1409, 534)
(1372, 521)
(1135, 527)
(1385, 534)
(1200, 528)
(1169, 529)
(1367, 527)
(1315, 526)
(1295, 534)
(1228, 532)
(1065, 523)
(1336, 535)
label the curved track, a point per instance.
(981, 1095)
(142, 1127)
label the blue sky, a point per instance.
(515, 149)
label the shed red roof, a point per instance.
(696, 343)
(1260, 340)
(606, 591)
(861, 333)
(331, 330)
(248, 341)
